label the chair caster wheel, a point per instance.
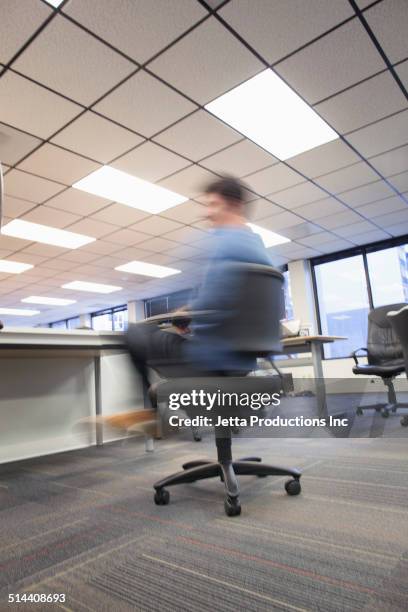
(359, 411)
(197, 438)
(161, 497)
(235, 429)
(293, 487)
(232, 506)
(385, 413)
(404, 421)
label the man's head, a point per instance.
(225, 200)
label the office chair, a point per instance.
(399, 322)
(384, 356)
(251, 328)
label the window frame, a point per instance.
(363, 250)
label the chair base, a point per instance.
(226, 470)
(385, 408)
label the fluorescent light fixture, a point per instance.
(13, 267)
(270, 113)
(46, 234)
(54, 3)
(124, 188)
(48, 301)
(91, 287)
(19, 312)
(147, 269)
(269, 238)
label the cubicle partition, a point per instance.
(51, 380)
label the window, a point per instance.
(288, 295)
(102, 321)
(73, 323)
(343, 303)
(168, 303)
(120, 319)
(388, 271)
(349, 285)
(110, 319)
(59, 325)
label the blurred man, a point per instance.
(232, 241)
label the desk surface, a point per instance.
(303, 340)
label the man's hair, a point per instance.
(228, 187)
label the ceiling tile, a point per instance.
(189, 182)
(101, 247)
(339, 220)
(389, 22)
(273, 179)
(78, 202)
(336, 61)
(198, 136)
(19, 20)
(186, 235)
(240, 159)
(126, 237)
(29, 187)
(315, 240)
(134, 23)
(366, 194)
(46, 112)
(130, 253)
(400, 181)
(324, 159)
(295, 232)
(91, 227)
(70, 61)
(276, 29)
(150, 162)
(189, 212)
(298, 195)
(13, 207)
(206, 63)
(158, 245)
(78, 256)
(261, 208)
(9, 243)
(402, 71)
(56, 164)
(391, 162)
(50, 216)
(321, 208)
(336, 245)
(369, 101)
(156, 225)
(369, 237)
(144, 104)
(15, 144)
(381, 136)
(399, 229)
(348, 178)
(183, 251)
(97, 138)
(361, 227)
(119, 214)
(44, 250)
(284, 220)
(377, 209)
(61, 264)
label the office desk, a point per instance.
(313, 345)
(51, 379)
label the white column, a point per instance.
(85, 320)
(300, 274)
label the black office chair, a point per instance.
(251, 327)
(384, 357)
(399, 322)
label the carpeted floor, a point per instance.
(84, 524)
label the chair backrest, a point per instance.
(252, 323)
(399, 322)
(383, 343)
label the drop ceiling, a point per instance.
(125, 84)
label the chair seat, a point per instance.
(383, 370)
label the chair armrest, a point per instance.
(355, 356)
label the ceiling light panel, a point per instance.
(124, 188)
(91, 287)
(147, 269)
(270, 113)
(268, 237)
(47, 301)
(36, 232)
(19, 312)
(13, 267)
